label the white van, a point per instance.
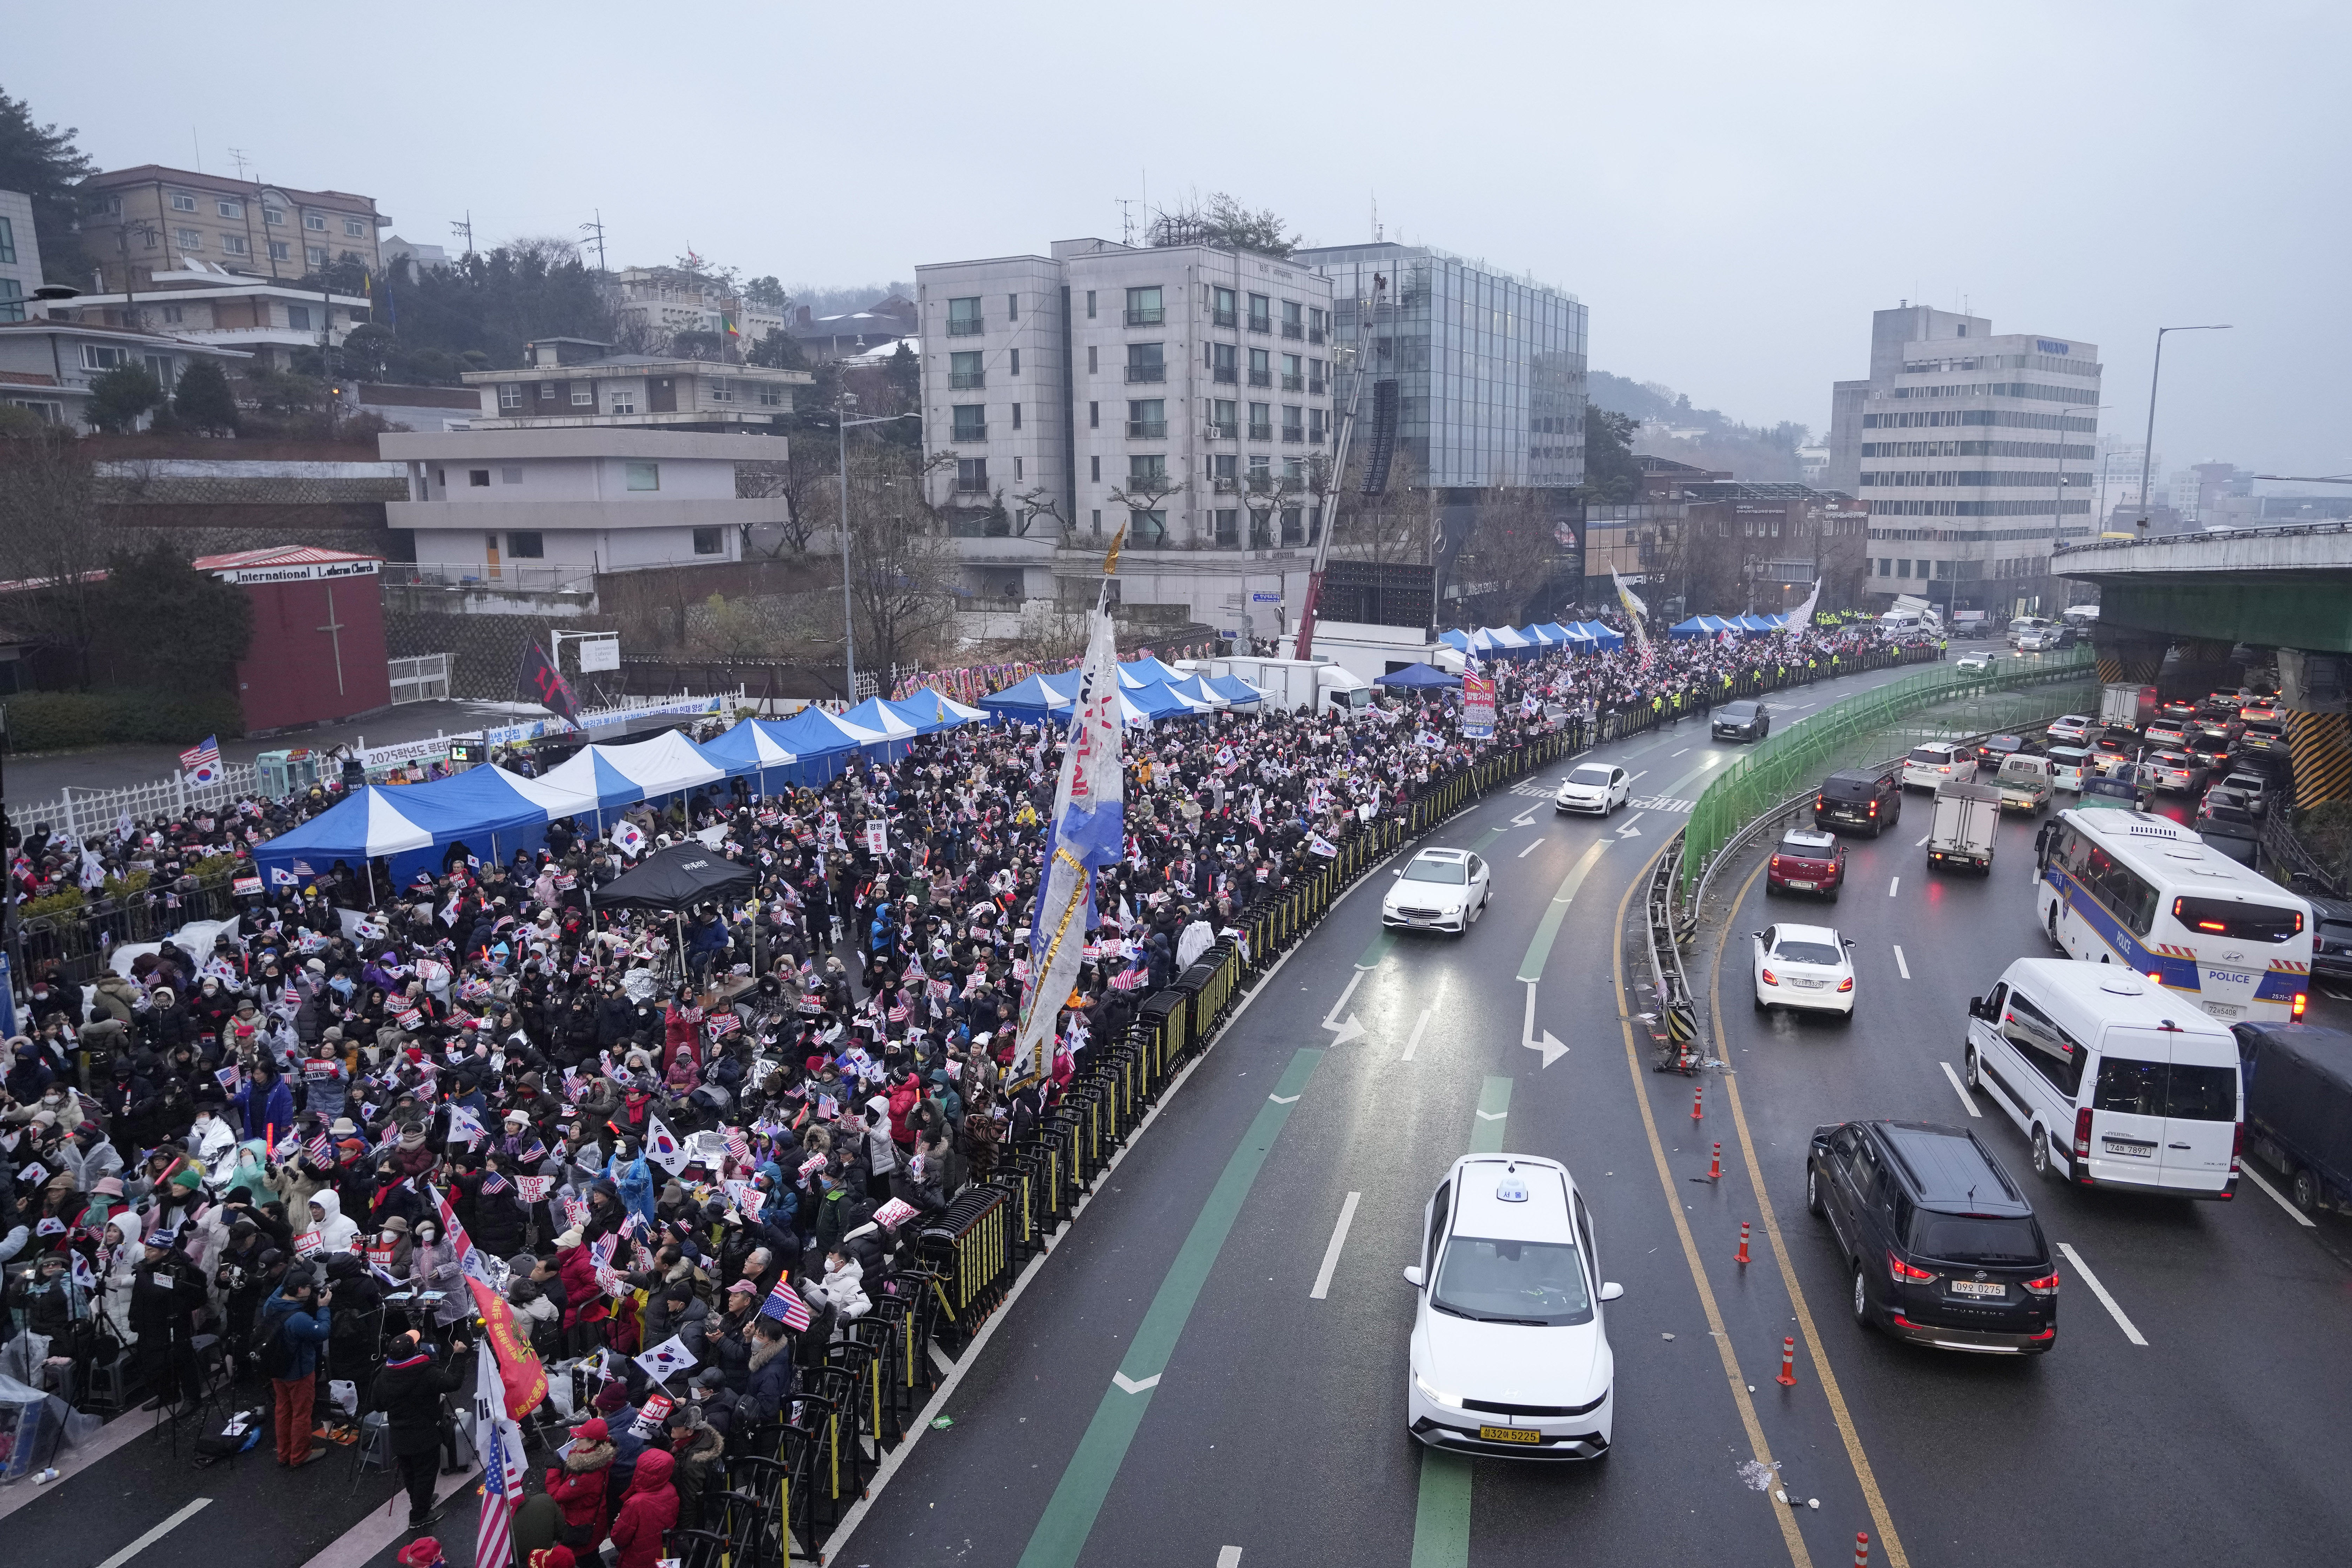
(2115, 1081)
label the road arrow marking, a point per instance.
(1493, 1115)
(1345, 1029)
(1628, 830)
(1547, 1043)
(1132, 1384)
(1284, 1098)
(1525, 819)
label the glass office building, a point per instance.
(1488, 370)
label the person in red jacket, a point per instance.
(904, 1095)
(681, 1025)
(577, 1485)
(649, 1509)
(585, 1306)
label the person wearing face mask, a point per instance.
(433, 1266)
(337, 1231)
(211, 1007)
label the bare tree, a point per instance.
(902, 574)
(1224, 222)
(1146, 495)
(1388, 528)
(50, 534)
(1513, 551)
(1031, 504)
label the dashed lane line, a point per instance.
(1960, 1088)
(1893, 885)
(1419, 1026)
(2277, 1197)
(2100, 1291)
(1331, 1253)
(1900, 964)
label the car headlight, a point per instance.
(1435, 1395)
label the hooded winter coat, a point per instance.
(649, 1507)
(578, 1484)
(336, 1230)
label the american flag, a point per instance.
(204, 759)
(494, 1183)
(320, 1149)
(501, 1495)
(536, 1152)
(600, 1250)
(785, 1302)
(739, 1147)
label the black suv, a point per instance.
(1941, 1246)
(2331, 938)
(1861, 799)
(1745, 719)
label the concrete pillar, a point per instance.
(2318, 734)
(2126, 655)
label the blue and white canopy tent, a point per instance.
(1235, 690)
(756, 749)
(617, 776)
(882, 732)
(1419, 677)
(930, 710)
(1039, 697)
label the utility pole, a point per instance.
(465, 227)
(2148, 453)
(594, 230)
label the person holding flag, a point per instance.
(408, 1391)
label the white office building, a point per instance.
(1182, 391)
(1973, 452)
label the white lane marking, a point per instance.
(2100, 1291)
(1420, 1025)
(1136, 1385)
(2277, 1197)
(1891, 886)
(1492, 1115)
(1900, 964)
(1229, 1557)
(1284, 1098)
(1331, 1256)
(1529, 849)
(1683, 752)
(156, 1534)
(1923, 843)
(1960, 1088)
(1636, 778)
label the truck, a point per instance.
(1316, 685)
(2025, 782)
(1967, 817)
(2298, 1079)
(2124, 706)
(1911, 615)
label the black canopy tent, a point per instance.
(674, 877)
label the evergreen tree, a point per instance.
(122, 396)
(42, 162)
(203, 399)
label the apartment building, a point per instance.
(47, 364)
(212, 303)
(651, 305)
(1974, 452)
(1184, 392)
(20, 254)
(141, 221)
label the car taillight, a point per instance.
(2301, 1002)
(2083, 1134)
(1874, 808)
(1776, 862)
(1771, 978)
(2237, 1147)
(1820, 800)
(1903, 1271)
(1846, 984)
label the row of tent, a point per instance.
(1527, 642)
(494, 813)
(1716, 626)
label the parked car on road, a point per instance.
(1806, 860)
(1860, 799)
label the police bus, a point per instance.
(2124, 887)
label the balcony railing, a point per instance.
(1224, 318)
(1294, 383)
(965, 326)
(967, 380)
(1148, 429)
(1261, 432)
(1293, 433)
(1216, 432)
(1223, 372)
(1146, 315)
(1138, 372)
(1314, 334)
(1261, 378)
(1225, 484)
(1293, 329)
(1291, 484)
(1261, 323)
(1314, 388)
(971, 432)
(972, 484)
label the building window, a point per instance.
(1315, 321)
(969, 421)
(1885, 565)
(477, 478)
(583, 395)
(623, 401)
(1222, 361)
(771, 396)
(188, 239)
(718, 389)
(232, 245)
(966, 372)
(275, 217)
(1090, 304)
(1094, 416)
(509, 396)
(228, 209)
(298, 318)
(354, 229)
(315, 221)
(972, 475)
(7, 242)
(963, 316)
(1098, 520)
(1293, 426)
(1146, 468)
(1222, 306)
(1291, 379)
(1314, 426)
(1094, 469)
(529, 546)
(102, 356)
(1093, 362)
(1261, 318)
(645, 475)
(546, 391)
(1294, 319)
(510, 474)
(1147, 418)
(1261, 422)
(1147, 361)
(1013, 307)
(160, 367)
(1229, 527)
(1016, 470)
(1261, 368)
(1015, 367)
(280, 251)
(1225, 419)
(315, 254)
(184, 200)
(1016, 416)
(710, 541)
(1144, 308)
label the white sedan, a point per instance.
(1973, 659)
(2071, 728)
(1805, 968)
(1596, 787)
(1438, 889)
(1509, 1355)
(1936, 764)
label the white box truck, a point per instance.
(1961, 833)
(2126, 706)
(1291, 684)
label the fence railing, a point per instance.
(424, 679)
(94, 813)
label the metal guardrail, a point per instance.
(2275, 531)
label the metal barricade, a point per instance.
(967, 1247)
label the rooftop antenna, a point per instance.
(465, 227)
(1126, 221)
(237, 156)
(595, 230)
(1376, 219)
(199, 144)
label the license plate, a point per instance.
(1805, 886)
(1508, 1435)
(2224, 1010)
(2137, 1150)
(1970, 1287)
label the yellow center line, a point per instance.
(1888, 1542)
(1739, 1394)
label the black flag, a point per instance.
(542, 683)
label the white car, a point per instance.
(1805, 968)
(1509, 1355)
(1595, 787)
(1938, 762)
(1976, 658)
(2073, 729)
(1438, 889)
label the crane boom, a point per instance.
(1366, 312)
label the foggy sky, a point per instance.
(1731, 188)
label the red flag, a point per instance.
(542, 683)
(519, 1367)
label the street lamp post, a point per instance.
(848, 609)
(2058, 488)
(2148, 452)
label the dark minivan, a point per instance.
(1859, 798)
(1942, 1248)
(1745, 719)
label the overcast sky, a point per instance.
(1731, 188)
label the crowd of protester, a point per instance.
(286, 1146)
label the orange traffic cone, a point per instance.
(1788, 1378)
(1862, 1549)
(1715, 1166)
(1696, 1091)
(1742, 1258)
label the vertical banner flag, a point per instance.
(520, 1377)
(1478, 707)
(542, 683)
(471, 1261)
(1089, 832)
(1802, 616)
(498, 1440)
(1637, 612)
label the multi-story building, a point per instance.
(1974, 453)
(1701, 540)
(1181, 391)
(138, 222)
(20, 254)
(47, 364)
(208, 303)
(887, 322)
(581, 382)
(651, 305)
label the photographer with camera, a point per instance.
(295, 1321)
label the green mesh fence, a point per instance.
(1866, 729)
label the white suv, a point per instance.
(1509, 1355)
(1938, 762)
